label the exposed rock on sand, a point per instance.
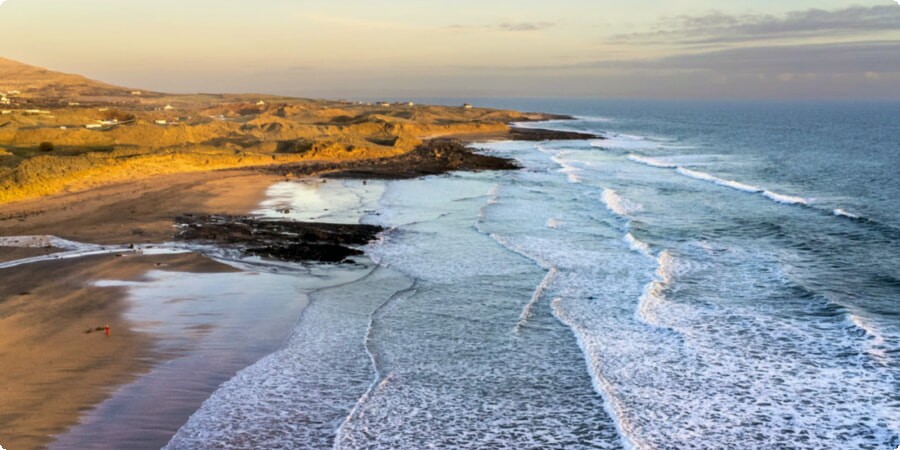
(284, 240)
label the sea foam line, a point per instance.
(651, 162)
(720, 181)
(843, 213)
(378, 381)
(618, 204)
(654, 293)
(875, 337)
(703, 176)
(638, 245)
(535, 298)
(611, 403)
(568, 169)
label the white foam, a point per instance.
(536, 297)
(602, 119)
(843, 213)
(651, 162)
(567, 168)
(720, 181)
(653, 298)
(620, 205)
(876, 338)
(616, 409)
(789, 199)
(554, 223)
(638, 245)
(632, 142)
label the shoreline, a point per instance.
(142, 211)
(53, 368)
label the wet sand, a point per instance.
(52, 369)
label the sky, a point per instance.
(696, 49)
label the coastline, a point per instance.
(40, 340)
(53, 370)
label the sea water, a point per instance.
(710, 275)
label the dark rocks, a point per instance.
(285, 240)
(433, 157)
(539, 134)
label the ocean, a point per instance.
(711, 275)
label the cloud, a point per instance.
(506, 26)
(524, 26)
(782, 62)
(718, 27)
(876, 56)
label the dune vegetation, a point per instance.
(63, 133)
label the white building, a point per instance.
(169, 107)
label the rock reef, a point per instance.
(283, 240)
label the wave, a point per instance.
(720, 181)
(536, 297)
(843, 213)
(638, 245)
(876, 347)
(789, 199)
(654, 293)
(568, 169)
(703, 176)
(620, 205)
(616, 409)
(633, 142)
(651, 162)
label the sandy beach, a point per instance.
(53, 370)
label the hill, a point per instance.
(62, 132)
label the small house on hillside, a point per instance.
(169, 107)
(467, 106)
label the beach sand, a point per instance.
(135, 212)
(52, 371)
